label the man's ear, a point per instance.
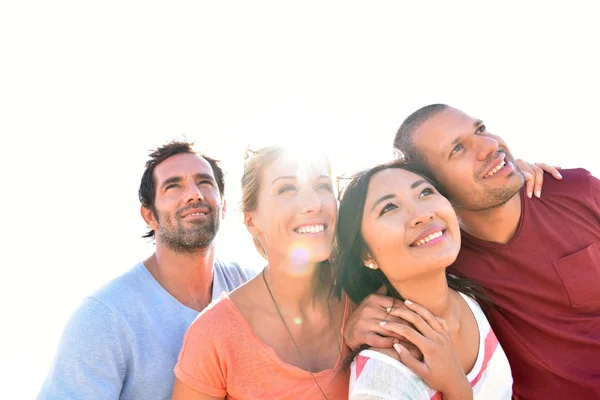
(224, 209)
(149, 217)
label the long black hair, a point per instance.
(351, 275)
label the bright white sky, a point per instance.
(87, 88)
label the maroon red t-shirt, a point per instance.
(546, 283)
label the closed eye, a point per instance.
(387, 208)
(326, 186)
(206, 182)
(171, 185)
(286, 188)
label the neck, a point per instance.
(297, 292)
(430, 291)
(187, 277)
(497, 225)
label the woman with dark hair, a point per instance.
(396, 230)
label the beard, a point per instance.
(488, 198)
(191, 239)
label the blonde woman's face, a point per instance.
(296, 213)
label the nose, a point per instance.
(193, 194)
(486, 145)
(421, 215)
(311, 202)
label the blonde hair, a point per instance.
(254, 165)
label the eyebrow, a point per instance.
(417, 183)
(177, 179)
(381, 200)
(414, 185)
(295, 178)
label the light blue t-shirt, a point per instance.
(123, 341)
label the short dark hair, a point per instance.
(404, 140)
(147, 189)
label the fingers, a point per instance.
(374, 340)
(377, 302)
(361, 331)
(431, 319)
(551, 170)
(529, 174)
(534, 176)
(408, 333)
(363, 325)
(424, 316)
(529, 182)
(407, 359)
(417, 321)
(539, 179)
(444, 324)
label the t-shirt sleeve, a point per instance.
(89, 362)
(375, 379)
(595, 192)
(202, 363)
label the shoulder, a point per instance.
(92, 325)
(212, 339)
(96, 323)
(219, 320)
(573, 179)
(376, 372)
(89, 360)
(478, 313)
(120, 291)
(233, 273)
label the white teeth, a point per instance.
(498, 168)
(311, 229)
(198, 213)
(428, 238)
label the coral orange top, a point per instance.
(222, 357)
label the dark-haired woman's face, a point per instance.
(409, 228)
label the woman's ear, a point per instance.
(250, 223)
(369, 261)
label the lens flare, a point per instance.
(299, 255)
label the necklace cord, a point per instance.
(292, 337)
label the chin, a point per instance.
(320, 256)
(447, 258)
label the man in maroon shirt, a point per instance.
(539, 259)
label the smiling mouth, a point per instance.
(311, 229)
(194, 214)
(498, 168)
(429, 238)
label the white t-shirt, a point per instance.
(376, 376)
